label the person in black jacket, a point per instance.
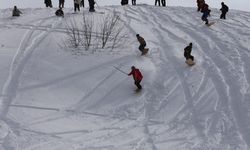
(224, 10)
(16, 12)
(187, 52)
(48, 3)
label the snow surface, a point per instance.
(53, 100)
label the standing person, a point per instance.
(206, 12)
(137, 76)
(77, 5)
(157, 1)
(91, 6)
(16, 12)
(224, 10)
(48, 3)
(133, 2)
(82, 3)
(142, 43)
(61, 3)
(163, 3)
(200, 4)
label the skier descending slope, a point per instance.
(142, 45)
(188, 56)
(206, 12)
(137, 77)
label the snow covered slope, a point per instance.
(51, 99)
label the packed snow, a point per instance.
(53, 99)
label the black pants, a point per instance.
(157, 1)
(223, 15)
(82, 3)
(133, 2)
(163, 2)
(77, 7)
(61, 3)
(137, 83)
(142, 46)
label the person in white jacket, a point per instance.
(77, 5)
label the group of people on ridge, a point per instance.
(163, 2)
(135, 72)
(204, 8)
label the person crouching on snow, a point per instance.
(16, 12)
(59, 12)
(187, 52)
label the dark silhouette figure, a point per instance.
(157, 1)
(137, 76)
(142, 42)
(16, 12)
(82, 3)
(77, 5)
(59, 13)
(61, 3)
(48, 3)
(206, 13)
(163, 3)
(124, 2)
(187, 52)
(224, 10)
(133, 2)
(91, 6)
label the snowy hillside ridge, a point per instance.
(51, 99)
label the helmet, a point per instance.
(133, 67)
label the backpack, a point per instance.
(226, 8)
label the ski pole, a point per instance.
(120, 70)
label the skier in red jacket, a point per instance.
(137, 76)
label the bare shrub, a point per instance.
(112, 31)
(109, 32)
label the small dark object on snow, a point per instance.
(16, 12)
(59, 13)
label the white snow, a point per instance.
(51, 99)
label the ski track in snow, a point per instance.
(24, 52)
(219, 74)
